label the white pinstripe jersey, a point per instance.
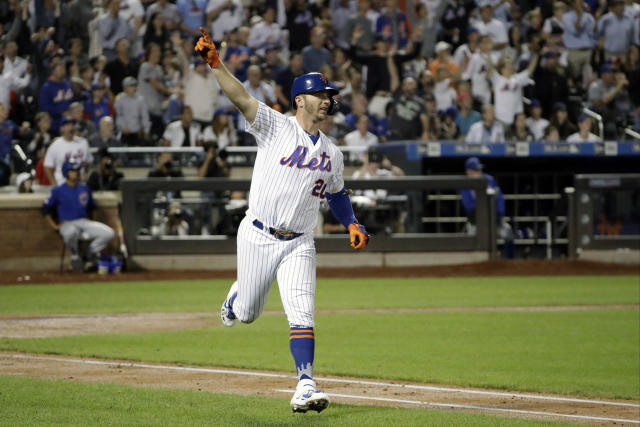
(291, 173)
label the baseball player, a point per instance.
(73, 203)
(296, 167)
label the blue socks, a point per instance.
(302, 345)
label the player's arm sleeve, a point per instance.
(468, 201)
(340, 205)
(266, 126)
(49, 204)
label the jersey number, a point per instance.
(318, 189)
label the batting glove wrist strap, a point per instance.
(207, 49)
(358, 235)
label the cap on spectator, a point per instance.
(535, 103)
(559, 106)
(442, 46)
(374, 156)
(473, 163)
(66, 120)
(452, 112)
(96, 86)
(549, 54)
(485, 3)
(76, 80)
(380, 38)
(22, 177)
(582, 117)
(129, 81)
(219, 112)
(463, 95)
(606, 68)
(471, 30)
(77, 105)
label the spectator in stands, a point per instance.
(518, 131)
(156, 32)
(615, 30)
(121, 66)
(515, 48)
(477, 71)
(105, 177)
(378, 74)
(165, 168)
(393, 24)
(454, 17)
(359, 107)
(83, 128)
(535, 122)
(40, 138)
(551, 134)
(360, 137)
(578, 38)
(409, 118)
(215, 162)
(223, 16)
(448, 130)
(553, 27)
(76, 16)
(551, 83)
(445, 95)
(56, 95)
(284, 80)
(463, 53)
(193, 14)
(609, 96)
(184, 132)
(221, 131)
(132, 116)
(97, 106)
(492, 27)
(152, 88)
(443, 57)
(467, 116)
(66, 147)
(560, 121)
(169, 11)
(111, 28)
(631, 68)
(76, 53)
(507, 88)
(315, 55)
(15, 72)
(105, 137)
(584, 131)
(8, 132)
(266, 33)
(489, 130)
(362, 21)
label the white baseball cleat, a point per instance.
(307, 398)
(226, 312)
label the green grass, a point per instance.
(590, 353)
(200, 295)
(28, 402)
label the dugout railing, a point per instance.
(138, 197)
(604, 213)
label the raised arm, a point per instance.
(231, 86)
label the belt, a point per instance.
(278, 234)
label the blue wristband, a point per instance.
(340, 205)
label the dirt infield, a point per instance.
(492, 268)
(345, 390)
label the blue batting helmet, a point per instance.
(69, 166)
(313, 82)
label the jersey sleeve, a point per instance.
(49, 157)
(266, 125)
(336, 182)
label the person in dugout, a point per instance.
(73, 204)
(474, 169)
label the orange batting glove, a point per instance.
(207, 49)
(359, 236)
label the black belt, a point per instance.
(278, 234)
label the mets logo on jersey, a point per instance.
(299, 155)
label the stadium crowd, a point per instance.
(77, 74)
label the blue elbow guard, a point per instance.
(340, 205)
